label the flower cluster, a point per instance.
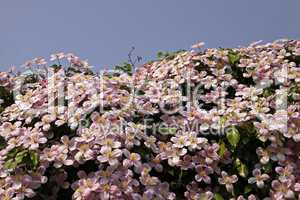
(198, 124)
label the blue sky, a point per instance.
(103, 31)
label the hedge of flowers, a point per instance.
(200, 124)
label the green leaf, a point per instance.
(12, 153)
(171, 172)
(34, 159)
(233, 57)
(10, 164)
(241, 168)
(233, 136)
(267, 167)
(56, 67)
(168, 55)
(160, 54)
(247, 189)
(125, 67)
(218, 196)
(20, 156)
(222, 149)
(223, 120)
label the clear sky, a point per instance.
(103, 31)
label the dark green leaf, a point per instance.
(125, 67)
(247, 189)
(267, 167)
(2, 142)
(171, 172)
(1, 109)
(56, 67)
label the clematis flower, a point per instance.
(198, 45)
(174, 156)
(293, 132)
(107, 124)
(285, 173)
(85, 188)
(110, 142)
(202, 173)
(283, 189)
(227, 180)
(250, 197)
(39, 61)
(57, 56)
(206, 195)
(195, 142)
(258, 178)
(265, 155)
(133, 159)
(33, 139)
(147, 195)
(6, 194)
(180, 141)
(46, 120)
(109, 155)
(210, 153)
(25, 192)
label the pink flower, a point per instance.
(265, 155)
(28, 64)
(133, 159)
(110, 142)
(227, 180)
(283, 189)
(180, 141)
(6, 194)
(147, 195)
(250, 197)
(210, 153)
(198, 45)
(39, 61)
(57, 56)
(195, 142)
(109, 155)
(297, 187)
(285, 173)
(84, 153)
(85, 187)
(258, 178)
(25, 192)
(202, 173)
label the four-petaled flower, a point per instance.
(258, 178)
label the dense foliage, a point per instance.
(198, 124)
